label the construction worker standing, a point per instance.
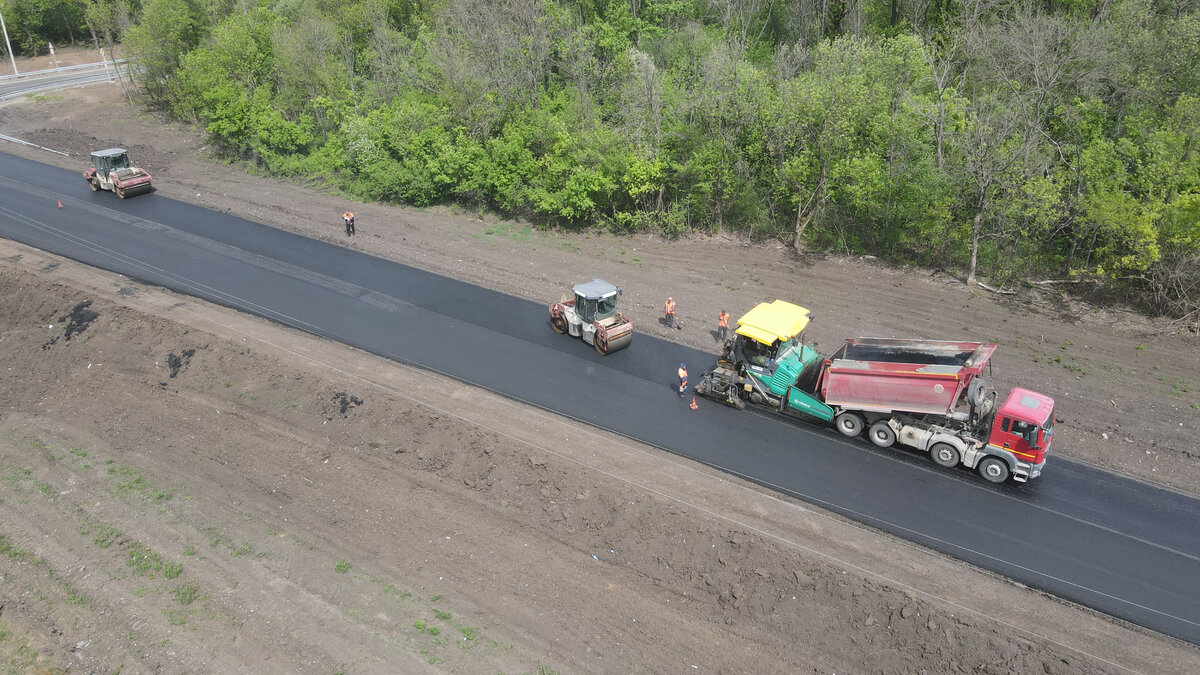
(348, 217)
(723, 324)
(682, 378)
(669, 311)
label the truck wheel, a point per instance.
(559, 324)
(944, 454)
(600, 344)
(850, 424)
(993, 470)
(120, 191)
(94, 184)
(882, 435)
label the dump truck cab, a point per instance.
(1022, 430)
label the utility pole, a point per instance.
(8, 45)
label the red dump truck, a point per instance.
(914, 392)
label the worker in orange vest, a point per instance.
(682, 378)
(348, 217)
(669, 311)
(723, 324)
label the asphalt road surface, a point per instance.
(1119, 546)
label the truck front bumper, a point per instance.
(1025, 471)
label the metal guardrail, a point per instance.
(61, 69)
(12, 88)
(18, 141)
(57, 84)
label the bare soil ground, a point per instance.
(186, 489)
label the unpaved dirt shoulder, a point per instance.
(328, 508)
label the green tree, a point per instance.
(165, 32)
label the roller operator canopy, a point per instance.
(595, 289)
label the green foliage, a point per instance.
(165, 32)
(993, 138)
(34, 25)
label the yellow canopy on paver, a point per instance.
(771, 321)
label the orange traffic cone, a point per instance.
(693, 406)
(60, 203)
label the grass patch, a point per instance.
(8, 550)
(129, 479)
(187, 593)
(78, 453)
(341, 566)
(131, 482)
(144, 561)
(14, 477)
(1179, 386)
(444, 616)
(523, 235)
(215, 538)
(172, 570)
(18, 656)
(103, 535)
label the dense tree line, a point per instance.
(1010, 139)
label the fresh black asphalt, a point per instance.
(1117, 545)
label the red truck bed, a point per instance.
(900, 375)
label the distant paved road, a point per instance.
(24, 84)
(1119, 546)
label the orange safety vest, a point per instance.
(669, 307)
(347, 216)
(683, 375)
(723, 320)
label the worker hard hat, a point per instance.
(683, 365)
(670, 298)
